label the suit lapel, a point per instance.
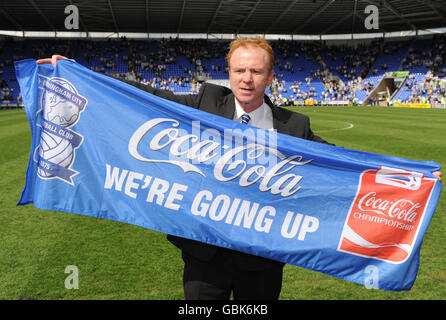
(280, 126)
(227, 107)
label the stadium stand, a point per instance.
(308, 72)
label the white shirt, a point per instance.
(261, 117)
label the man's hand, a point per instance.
(53, 60)
(437, 174)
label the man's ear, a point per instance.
(270, 78)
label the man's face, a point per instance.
(249, 76)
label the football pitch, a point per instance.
(119, 261)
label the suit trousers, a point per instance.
(218, 278)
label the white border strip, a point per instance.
(230, 36)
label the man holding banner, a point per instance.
(213, 272)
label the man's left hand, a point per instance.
(437, 174)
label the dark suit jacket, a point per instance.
(220, 101)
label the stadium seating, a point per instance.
(303, 70)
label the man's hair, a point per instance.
(251, 42)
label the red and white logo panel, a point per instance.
(386, 214)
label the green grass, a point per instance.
(121, 261)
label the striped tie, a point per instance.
(245, 118)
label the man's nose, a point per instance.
(247, 76)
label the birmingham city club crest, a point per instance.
(61, 107)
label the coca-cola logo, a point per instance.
(401, 209)
(241, 161)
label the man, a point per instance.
(212, 272)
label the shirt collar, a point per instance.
(256, 115)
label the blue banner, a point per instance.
(103, 148)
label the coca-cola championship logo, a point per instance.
(400, 210)
(386, 214)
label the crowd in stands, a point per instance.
(304, 71)
(430, 58)
(432, 90)
(5, 92)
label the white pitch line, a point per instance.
(349, 126)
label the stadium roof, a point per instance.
(284, 17)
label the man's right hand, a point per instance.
(53, 60)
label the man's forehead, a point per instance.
(256, 55)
